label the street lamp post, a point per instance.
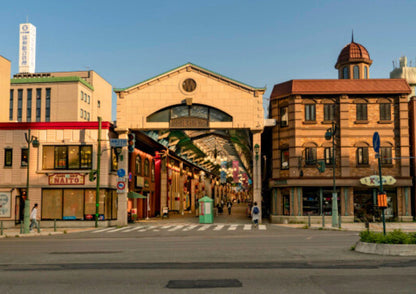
(34, 141)
(330, 134)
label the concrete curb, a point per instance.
(386, 249)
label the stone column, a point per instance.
(257, 197)
(123, 163)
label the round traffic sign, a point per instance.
(121, 185)
(121, 172)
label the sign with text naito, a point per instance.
(66, 179)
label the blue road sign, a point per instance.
(121, 172)
(376, 142)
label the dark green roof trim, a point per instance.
(196, 66)
(51, 80)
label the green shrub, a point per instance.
(395, 237)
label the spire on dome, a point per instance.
(352, 37)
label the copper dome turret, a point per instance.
(353, 53)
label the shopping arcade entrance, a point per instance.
(199, 115)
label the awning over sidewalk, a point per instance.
(135, 195)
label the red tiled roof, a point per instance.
(353, 52)
(339, 87)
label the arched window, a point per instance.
(138, 165)
(345, 73)
(146, 168)
(365, 72)
(194, 110)
(356, 72)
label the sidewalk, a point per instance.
(358, 227)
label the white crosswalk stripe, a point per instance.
(232, 228)
(133, 229)
(262, 227)
(219, 227)
(103, 230)
(166, 227)
(116, 230)
(176, 228)
(204, 228)
(190, 228)
(247, 227)
(146, 229)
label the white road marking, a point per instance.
(176, 228)
(232, 228)
(262, 227)
(203, 228)
(103, 230)
(133, 229)
(247, 227)
(166, 227)
(189, 228)
(116, 230)
(146, 229)
(219, 227)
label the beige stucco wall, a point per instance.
(4, 88)
(242, 103)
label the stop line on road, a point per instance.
(183, 228)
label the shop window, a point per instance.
(356, 72)
(24, 159)
(67, 157)
(138, 165)
(146, 168)
(73, 204)
(311, 201)
(286, 204)
(386, 155)
(361, 111)
(284, 116)
(385, 111)
(329, 112)
(328, 155)
(310, 112)
(284, 157)
(52, 204)
(310, 156)
(362, 156)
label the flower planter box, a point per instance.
(386, 249)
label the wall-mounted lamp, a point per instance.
(256, 150)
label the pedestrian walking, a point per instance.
(255, 214)
(33, 215)
(229, 205)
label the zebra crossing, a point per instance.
(181, 228)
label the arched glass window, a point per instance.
(356, 72)
(138, 165)
(345, 73)
(194, 110)
(146, 168)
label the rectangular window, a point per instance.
(385, 111)
(310, 112)
(361, 111)
(310, 156)
(386, 155)
(82, 113)
(38, 104)
(284, 159)
(67, 157)
(82, 95)
(88, 116)
(8, 157)
(329, 112)
(284, 117)
(11, 105)
(73, 204)
(19, 104)
(328, 155)
(88, 99)
(98, 103)
(48, 105)
(52, 204)
(24, 158)
(29, 106)
(362, 156)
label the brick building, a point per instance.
(357, 107)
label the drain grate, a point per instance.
(192, 284)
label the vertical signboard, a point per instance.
(236, 171)
(27, 48)
(223, 173)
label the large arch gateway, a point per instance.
(196, 100)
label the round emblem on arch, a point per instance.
(189, 85)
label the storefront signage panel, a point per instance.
(374, 180)
(67, 179)
(188, 123)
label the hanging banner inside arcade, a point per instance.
(223, 174)
(236, 171)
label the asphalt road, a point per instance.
(273, 260)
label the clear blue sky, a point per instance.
(257, 42)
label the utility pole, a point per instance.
(97, 192)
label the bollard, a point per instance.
(2, 228)
(39, 227)
(339, 221)
(323, 220)
(309, 221)
(54, 225)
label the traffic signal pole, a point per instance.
(97, 192)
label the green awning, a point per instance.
(135, 195)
